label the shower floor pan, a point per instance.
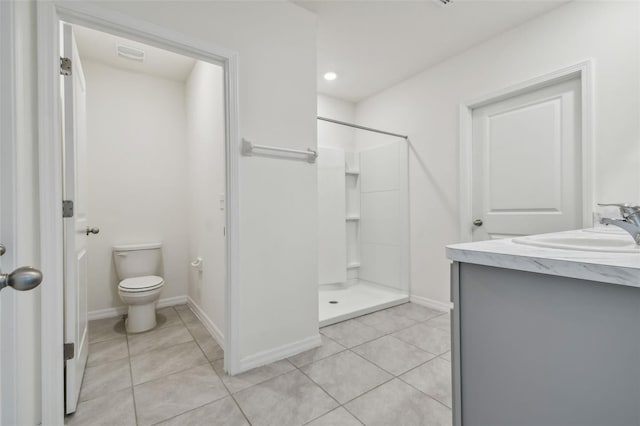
(355, 299)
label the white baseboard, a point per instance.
(431, 303)
(281, 352)
(172, 301)
(215, 332)
(121, 310)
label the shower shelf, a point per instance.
(352, 172)
(351, 218)
(353, 265)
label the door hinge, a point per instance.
(65, 66)
(69, 351)
(67, 208)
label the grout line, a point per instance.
(210, 363)
(354, 416)
(162, 348)
(319, 359)
(198, 343)
(418, 366)
(339, 405)
(330, 396)
(370, 390)
(373, 363)
(342, 404)
(162, 377)
(394, 376)
(240, 408)
(190, 410)
(133, 393)
(320, 386)
(107, 340)
(231, 395)
(426, 394)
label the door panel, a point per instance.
(75, 252)
(527, 163)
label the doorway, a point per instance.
(52, 183)
(144, 169)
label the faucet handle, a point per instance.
(626, 210)
(624, 207)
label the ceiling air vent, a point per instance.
(130, 53)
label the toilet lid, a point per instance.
(141, 283)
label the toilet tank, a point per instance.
(137, 260)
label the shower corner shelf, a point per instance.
(352, 172)
(352, 218)
(353, 265)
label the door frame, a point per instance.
(584, 71)
(49, 15)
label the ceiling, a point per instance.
(375, 44)
(101, 47)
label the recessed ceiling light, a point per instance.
(330, 76)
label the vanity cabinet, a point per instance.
(542, 349)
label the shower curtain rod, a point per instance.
(343, 123)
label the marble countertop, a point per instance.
(608, 267)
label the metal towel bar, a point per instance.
(249, 147)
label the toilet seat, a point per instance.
(141, 284)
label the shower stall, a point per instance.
(363, 253)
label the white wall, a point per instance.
(335, 135)
(205, 144)
(136, 144)
(278, 267)
(426, 108)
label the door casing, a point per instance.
(584, 72)
(49, 16)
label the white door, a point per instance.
(527, 163)
(8, 315)
(75, 227)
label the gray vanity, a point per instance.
(546, 336)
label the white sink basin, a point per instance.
(584, 241)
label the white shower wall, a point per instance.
(384, 215)
(363, 203)
(332, 250)
(205, 129)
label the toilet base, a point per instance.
(141, 318)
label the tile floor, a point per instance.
(387, 368)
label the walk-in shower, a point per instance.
(363, 204)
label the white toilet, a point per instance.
(138, 266)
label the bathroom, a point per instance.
(154, 161)
(336, 299)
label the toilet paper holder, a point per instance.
(197, 263)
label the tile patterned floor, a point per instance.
(391, 367)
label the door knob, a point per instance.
(477, 222)
(3, 249)
(92, 230)
(23, 278)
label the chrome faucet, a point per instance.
(630, 221)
